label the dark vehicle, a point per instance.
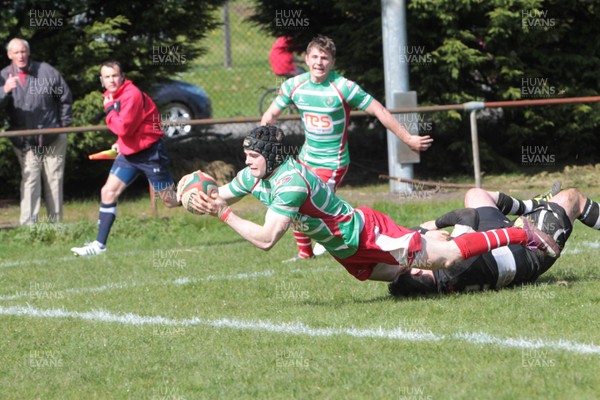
(179, 101)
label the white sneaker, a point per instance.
(319, 250)
(89, 249)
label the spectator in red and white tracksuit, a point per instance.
(133, 117)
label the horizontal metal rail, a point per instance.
(469, 106)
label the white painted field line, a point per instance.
(300, 329)
(583, 247)
(121, 285)
(178, 281)
(18, 263)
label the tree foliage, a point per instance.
(486, 50)
(75, 36)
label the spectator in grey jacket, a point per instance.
(36, 96)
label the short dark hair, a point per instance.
(409, 285)
(112, 64)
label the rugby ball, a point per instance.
(191, 184)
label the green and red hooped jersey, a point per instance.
(325, 109)
(296, 192)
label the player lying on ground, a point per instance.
(367, 243)
(506, 266)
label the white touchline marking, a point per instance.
(580, 247)
(9, 264)
(298, 328)
(17, 263)
(177, 281)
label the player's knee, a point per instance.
(474, 194)
(575, 194)
(108, 194)
(569, 196)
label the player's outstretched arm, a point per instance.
(270, 116)
(415, 142)
(264, 237)
(227, 195)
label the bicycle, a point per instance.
(267, 98)
(293, 125)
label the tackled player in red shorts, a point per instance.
(369, 244)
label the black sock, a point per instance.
(590, 214)
(508, 205)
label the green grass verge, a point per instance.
(194, 269)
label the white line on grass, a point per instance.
(18, 263)
(581, 248)
(178, 281)
(298, 328)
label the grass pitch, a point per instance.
(182, 308)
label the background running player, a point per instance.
(324, 99)
(132, 116)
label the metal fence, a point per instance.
(235, 71)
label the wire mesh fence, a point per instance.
(235, 70)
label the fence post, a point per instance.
(475, 106)
(475, 145)
(227, 35)
(395, 69)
